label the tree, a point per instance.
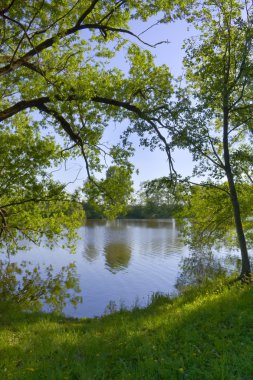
(34, 207)
(217, 124)
(111, 195)
(57, 77)
(158, 198)
(218, 131)
(209, 213)
(212, 112)
(161, 191)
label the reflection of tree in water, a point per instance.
(90, 252)
(24, 284)
(154, 223)
(199, 266)
(117, 256)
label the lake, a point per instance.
(120, 263)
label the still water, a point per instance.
(119, 263)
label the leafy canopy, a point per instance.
(59, 79)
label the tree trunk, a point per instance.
(245, 270)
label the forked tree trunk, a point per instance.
(245, 269)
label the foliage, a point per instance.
(58, 78)
(156, 199)
(211, 114)
(110, 196)
(218, 124)
(193, 336)
(207, 216)
(33, 205)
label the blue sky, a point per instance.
(154, 164)
(149, 164)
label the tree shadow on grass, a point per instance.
(209, 338)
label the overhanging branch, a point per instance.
(41, 104)
(50, 41)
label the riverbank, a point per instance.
(206, 333)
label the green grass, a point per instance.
(207, 333)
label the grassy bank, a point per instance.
(206, 333)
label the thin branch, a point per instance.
(6, 9)
(50, 41)
(109, 14)
(4, 223)
(249, 177)
(42, 31)
(240, 97)
(215, 152)
(86, 13)
(25, 234)
(39, 200)
(239, 125)
(25, 33)
(40, 103)
(208, 185)
(245, 107)
(68, 148)
(166, 145)
(221, 166)
(150, 27)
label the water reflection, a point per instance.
(35, 288)
(110, 244)
(123, 223)
(117, 256)
(118, 262)
(199, 266)
(147, 223)
(91, 253)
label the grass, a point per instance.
(206, 333)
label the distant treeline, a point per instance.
(156, 199)
(150, 210)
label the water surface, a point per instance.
(121, 262)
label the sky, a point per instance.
(154, 164)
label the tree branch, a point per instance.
(40, 103)
(207, 185)
(37, 200)
(86, 13)
(50, 41)
(5, 10)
